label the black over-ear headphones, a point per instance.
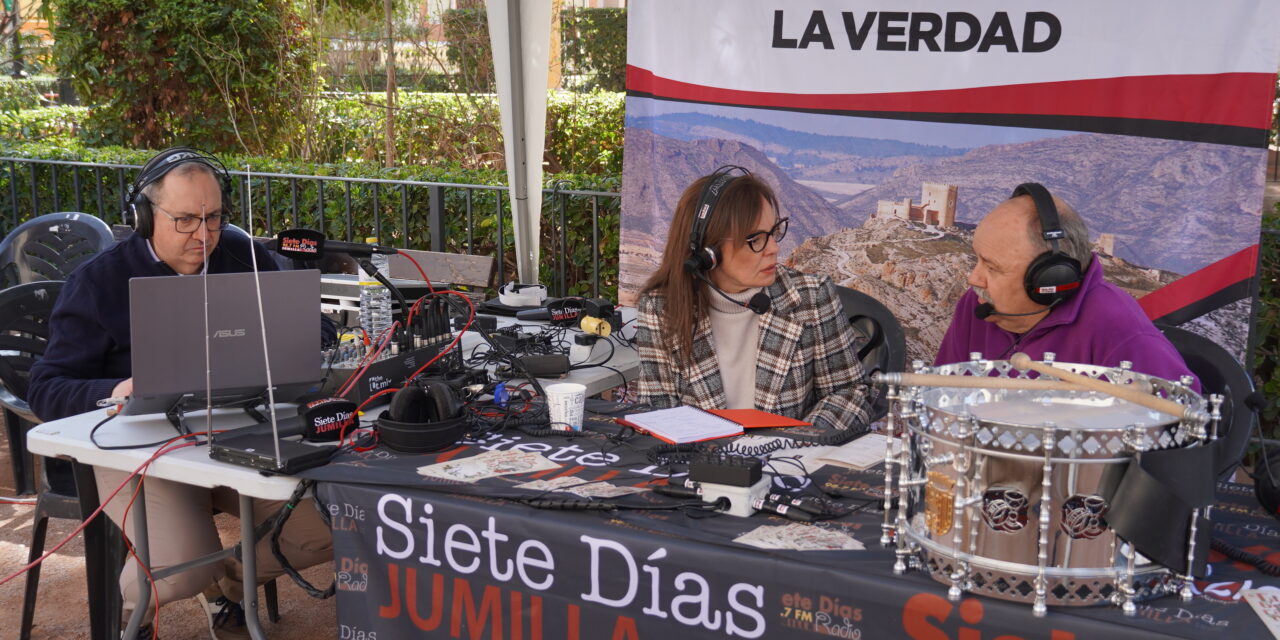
(422, 419)
(703, 258)
(137, 206)
(1053, 276)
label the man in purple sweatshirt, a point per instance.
(1037, 288)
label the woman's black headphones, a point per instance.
(137, 206)
(1053, 276)
(702, 258)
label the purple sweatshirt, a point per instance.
(1100, 325)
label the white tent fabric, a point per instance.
(520, 34)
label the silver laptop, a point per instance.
(167, 326)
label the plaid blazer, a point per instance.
(807, 366)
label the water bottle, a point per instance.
(375, 300)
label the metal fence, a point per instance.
(436, 216)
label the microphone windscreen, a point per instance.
(759, 303)
(323, 418)
(564, 312)
(300, 244)
(984, 310)
(540, 313)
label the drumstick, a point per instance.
(1023, 362)
(972, 382)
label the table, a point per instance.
(69, 438)
(417, 555)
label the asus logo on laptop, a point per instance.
(229, 333)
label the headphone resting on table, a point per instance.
(1053, 276)
(421, 419)
(137, 206)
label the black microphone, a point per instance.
(986, 309)
(309, 245)
(561, 312)
(759, 303)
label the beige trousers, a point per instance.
(180, 528)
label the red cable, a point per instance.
(167, 447)
(422, 273)
(342, 434)
(383, 340)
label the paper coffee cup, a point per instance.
(565, 401)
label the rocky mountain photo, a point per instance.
(1160, 198)
(1158, 202)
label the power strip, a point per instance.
(741, 499)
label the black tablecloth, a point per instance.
(417, 554)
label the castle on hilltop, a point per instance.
(937, 206)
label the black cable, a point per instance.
(1240, 555)
(277, 527)
(584, 504)
(125, 447)
(761, 450)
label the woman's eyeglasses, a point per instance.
(759, 240)
(189, 224)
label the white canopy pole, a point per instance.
(520, 34)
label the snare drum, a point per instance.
(1001, 491)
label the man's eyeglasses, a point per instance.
(759, 240)
(189, 224)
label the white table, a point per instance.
(625, 360)
(69, 438)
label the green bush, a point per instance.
(226, 75)
(594, 43)
(384, 216)
(407, 80)
(41, 123)
(24, 93)
(584, 130)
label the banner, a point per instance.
(888, 130)
(413, 563)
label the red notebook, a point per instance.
(757, 419)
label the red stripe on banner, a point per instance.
(1244, 98)
(1203, 283)
(451, 454)
(568, 472)
(608, 475)
(539, 474)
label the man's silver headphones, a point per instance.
(514, 294)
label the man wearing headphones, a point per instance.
(1037, 288)
(180, 204)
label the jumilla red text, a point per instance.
(502, 617)
(930, 617)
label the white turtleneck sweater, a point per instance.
(735, 332)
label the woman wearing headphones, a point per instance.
(723, 326)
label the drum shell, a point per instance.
(974, 507)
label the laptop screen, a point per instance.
(167, 326)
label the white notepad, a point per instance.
(682, 424)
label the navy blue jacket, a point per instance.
(89, 347)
